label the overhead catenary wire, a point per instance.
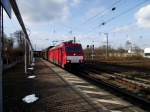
(111, 7)
(124, 12)
(117, 16)
(100, 13)
(96, 15)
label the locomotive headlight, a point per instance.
(68, 61)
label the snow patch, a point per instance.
(31, 68)
(116, 111)
(33, 64)
(30, 98)
(31, 76)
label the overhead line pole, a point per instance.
(106, 45)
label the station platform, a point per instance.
(52, 89)
(53, 93)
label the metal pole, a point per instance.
(29, 48)
(29, 55)
(74, 39)
(106, 45)
(92, 52)
(1, 60)
(25, 56)
(35, 47)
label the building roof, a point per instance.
(147, 50)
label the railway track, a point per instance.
(129, 65)
(120, 68)
(104, 81)
(134, 83)
(135, 77)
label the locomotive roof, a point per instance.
(65, 44)
(71, 43)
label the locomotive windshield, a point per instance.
(74, 49)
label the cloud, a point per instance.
(143, 17)
(37, 11)
(125, 28)
(121, 29)
(75, 2)
(47, 39)
(43, 39)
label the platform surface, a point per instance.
(54, 93)
(57, 91)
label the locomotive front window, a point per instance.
(73, 49)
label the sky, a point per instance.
(61, 20)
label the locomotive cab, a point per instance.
(74, 53)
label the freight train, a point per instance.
(65, 54)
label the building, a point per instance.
(147, 52)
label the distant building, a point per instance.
(147, 52)
(135, 50)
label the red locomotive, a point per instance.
(66, 53)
